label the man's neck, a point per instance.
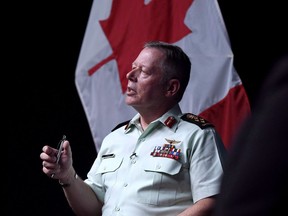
(147, 116)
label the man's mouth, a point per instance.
(130, 91)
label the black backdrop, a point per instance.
(42, 42)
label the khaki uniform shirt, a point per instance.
(160, 171)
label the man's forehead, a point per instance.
(148, 56)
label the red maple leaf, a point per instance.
(132, 23)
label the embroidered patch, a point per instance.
(201, 122)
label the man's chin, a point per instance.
(129, 101)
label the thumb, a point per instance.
(66, 156)
(67, 149)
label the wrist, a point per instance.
(67, 183)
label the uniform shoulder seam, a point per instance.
(120, 125)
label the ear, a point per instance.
(173, 87)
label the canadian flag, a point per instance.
(115, 34)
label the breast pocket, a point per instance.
(165, 173)
(108, 165)
(109, 170)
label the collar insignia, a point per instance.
(170, 121)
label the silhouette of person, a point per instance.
(255, 181)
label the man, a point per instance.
(162, 162)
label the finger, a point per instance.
(50, 165)
(49, 150)
(48, 158)
(67, 149)
(50, 171)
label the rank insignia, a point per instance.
(167, 150)
(170, 121)
(201, 122)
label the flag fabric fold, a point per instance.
(114, 36)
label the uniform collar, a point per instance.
(170, 119)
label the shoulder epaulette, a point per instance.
(120, 125)
(201, 122)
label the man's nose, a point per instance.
(132, 74)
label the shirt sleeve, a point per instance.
(206, 168)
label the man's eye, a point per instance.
(136, 68)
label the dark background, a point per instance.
(42, 41)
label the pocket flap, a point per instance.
(109, 165)
(163, 165)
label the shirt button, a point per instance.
(158, 166)
(125, 184)
(117, 209)
(133, 161)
